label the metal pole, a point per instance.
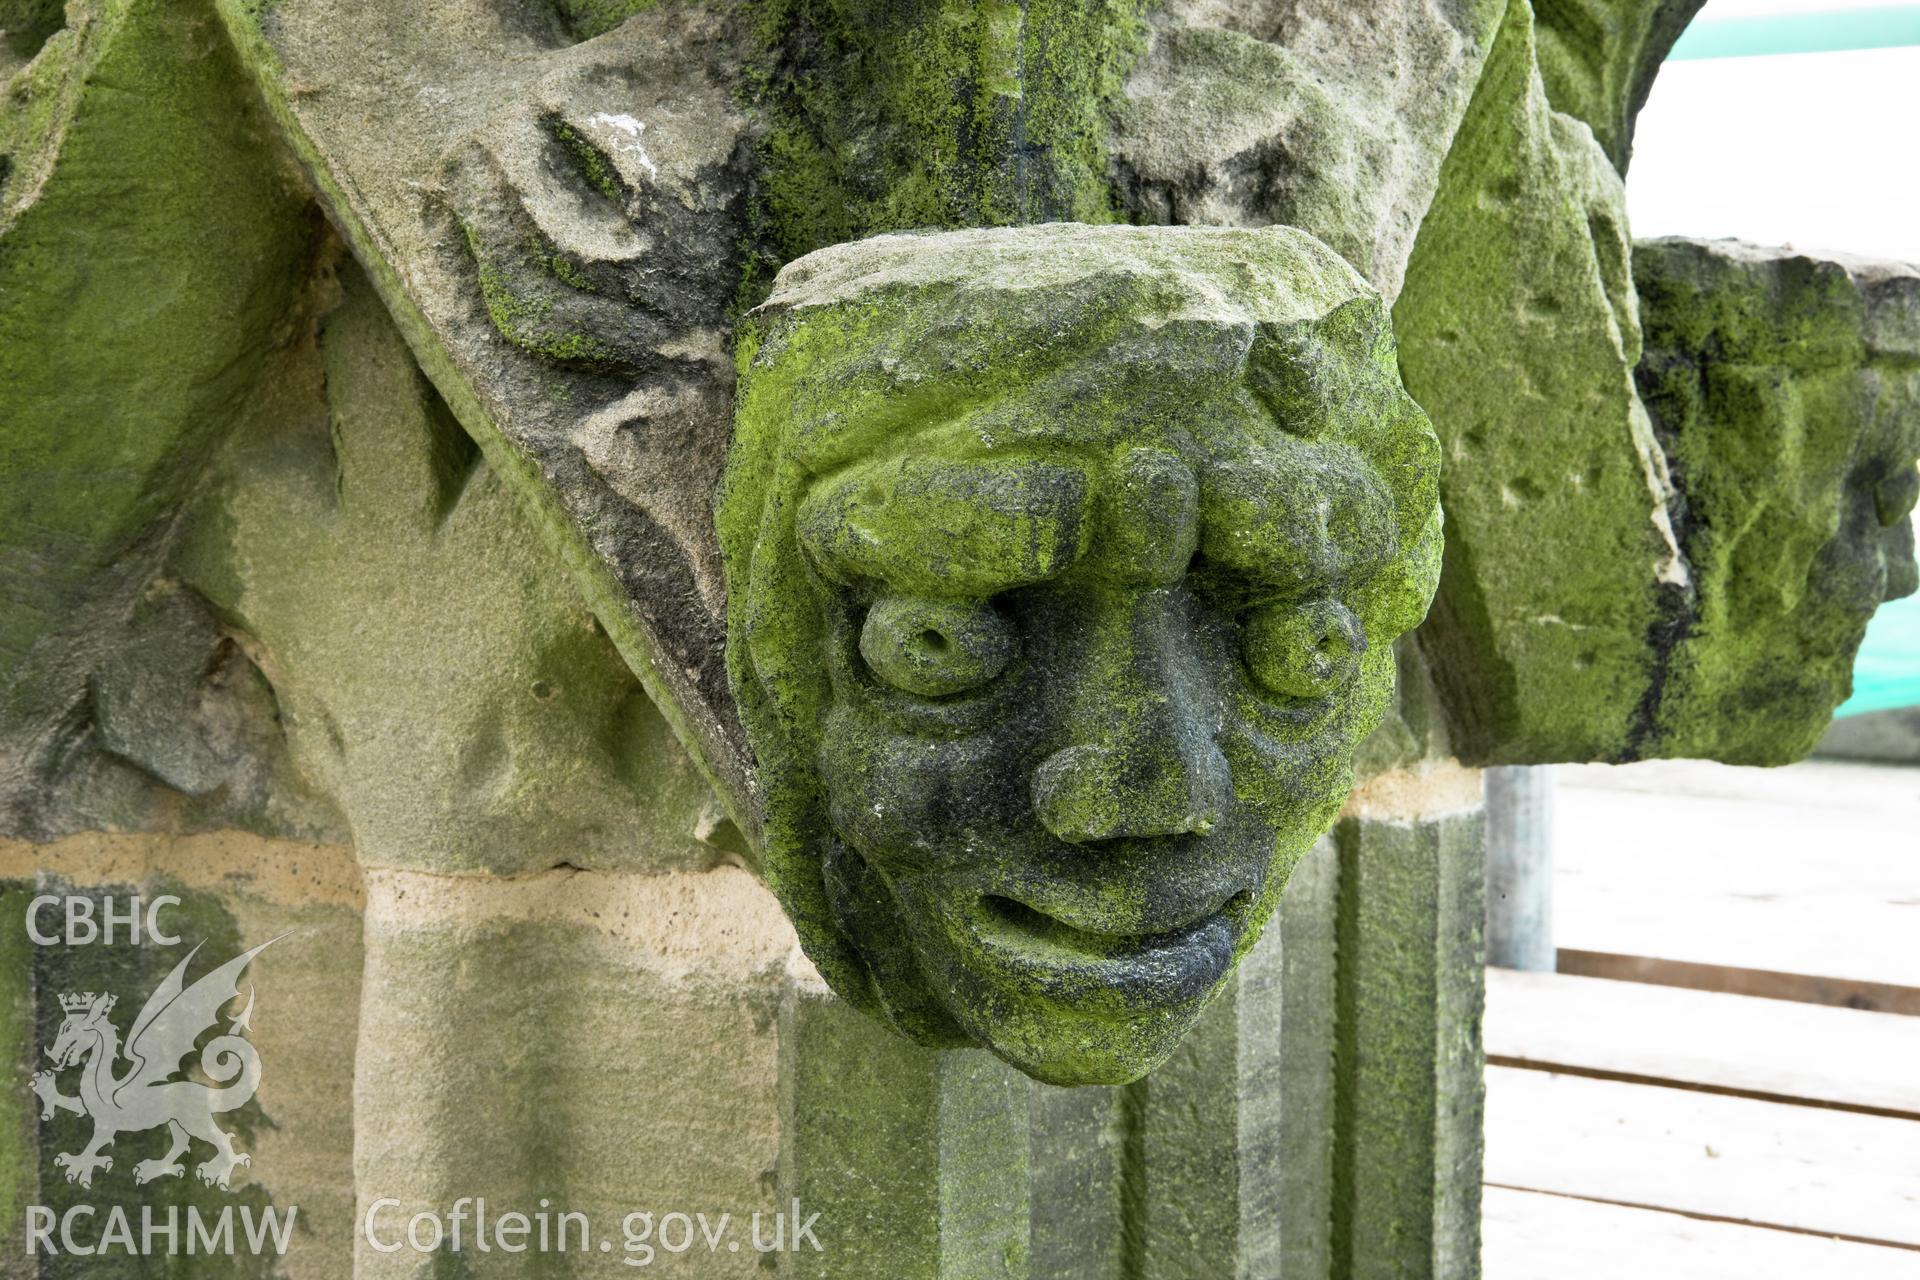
(1520, 867)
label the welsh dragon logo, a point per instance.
(149, 1094)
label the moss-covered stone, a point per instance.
(887, 117)
(1024, 529)
(129, 972)
(149, 238)
(1519, 335)
(1785, 390)
(1598, 59)
(26, 25)
(590, 18)
(916, 1159)
(1618, 587)
(1409, 1096)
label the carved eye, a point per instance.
(936, 647)
(1304, 650)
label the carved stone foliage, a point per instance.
(553, 201)
(1065, 567)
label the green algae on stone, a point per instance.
(150, 233)
(26, 26)
(918, 1158)
(1519, 334)
(590, 18)
(1409, 1098)
(936, 114)
(630, 1063)
(147, 246)
(1616, 586)
(129, 971)
(1598, 59)
(19, 1118)
(1785, 390)
(1006, 518)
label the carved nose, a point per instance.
(1169, 784)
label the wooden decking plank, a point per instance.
(1770, 1049)
(1850, 786)
(1805, 870)
(1767, 984)
(1769, 1164)
(1528, 1235)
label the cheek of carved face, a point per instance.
(1088, 710)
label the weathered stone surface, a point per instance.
(236, 891)
(1056, 538)
(1617, 586)
(916, 1159)
(1415, 728)
(1340, 1068)
(613, 200)
(27, 25)
(151, 237)
(1785, 388)
(1519, 335)
(596, 1043)
(888, 117)
(1598, 59)
(433, 670)
(1212, 1134)
(562, 212)
(1309, 1074)
(1407, 1163)
(557, 226)
(1320, 114)
(1186, 1173)
(1220, 1162)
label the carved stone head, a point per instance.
(1785, 390)
(1064, 566)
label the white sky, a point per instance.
(1717, 9)
(1810, 149)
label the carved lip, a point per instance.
(1064, 962)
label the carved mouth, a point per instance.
(1071, 963)
(1033, 925)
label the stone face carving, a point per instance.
(1064, 566)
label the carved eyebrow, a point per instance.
(935, 526)
(1312, 516)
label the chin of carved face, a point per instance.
(1075, 798)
